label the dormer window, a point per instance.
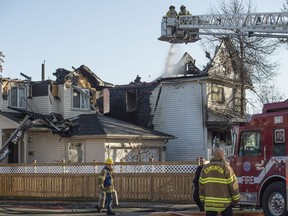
(80, 98)
(17, 97)
(131, 100)
(217, 94)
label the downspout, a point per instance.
(24, 150)
(203, 117)
(1, 138)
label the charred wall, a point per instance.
(131, 103)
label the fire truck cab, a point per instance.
(259, 160)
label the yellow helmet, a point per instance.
(109, 161)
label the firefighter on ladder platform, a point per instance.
(183, 11)
(172, 12)
(218, 186)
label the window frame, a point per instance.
(20, 99)
(84, 96)
(131, 101)
(217, 93)
(74, 147)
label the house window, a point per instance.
(217, 94)
(75, 152)
(81, 98)
(131, 100)
(18, 97)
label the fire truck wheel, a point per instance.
(274, 200)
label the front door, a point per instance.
(13, 155)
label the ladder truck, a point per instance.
(260, 158)
(188, 29)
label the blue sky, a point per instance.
(117, 40)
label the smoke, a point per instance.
(170, 65)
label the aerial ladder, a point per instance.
(265, 186)
(188, 29)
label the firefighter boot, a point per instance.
(98, 209)
(110, 213)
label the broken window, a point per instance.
(217, 94)
(131, 101)
(81, 98)
(17, 97)
(75, 152)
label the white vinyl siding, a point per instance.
(6, 124)
(95, 150)
(67, 103)
(44, 104)
(40, 105)
(48, 148)
(175, 101)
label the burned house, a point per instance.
(67, 125)
(196, 106)
(130, 103)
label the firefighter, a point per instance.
(218, 186)
(106, 186)
(183, 11)
(195, 182)
(172, 12)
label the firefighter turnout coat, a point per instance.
(218, 186)
(106, 180)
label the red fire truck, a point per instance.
(260, 147)
(259, 159)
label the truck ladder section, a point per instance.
(187, 29)
(53, 121)
(16, 136)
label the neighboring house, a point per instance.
(198, 107)
(71, 98)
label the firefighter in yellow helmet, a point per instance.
(183, 11)
(106, 185)
(171, 12)
(218, 186)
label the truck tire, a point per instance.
(274, 200)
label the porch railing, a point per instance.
(227, 149)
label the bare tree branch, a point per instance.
(250, 56)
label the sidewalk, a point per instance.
(125, 208)
(34, 207)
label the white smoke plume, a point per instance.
(170, 61)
